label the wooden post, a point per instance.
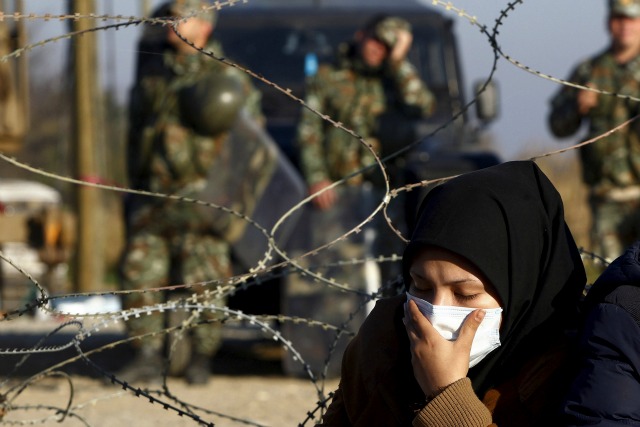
(146, 7)
(23, 64)
(89, 252)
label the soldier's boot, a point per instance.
(199, 369)
(146, 367)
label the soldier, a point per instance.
(370, 82)
(181, 109)
(611, 166)
(370, 77)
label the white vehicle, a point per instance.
(22, 204)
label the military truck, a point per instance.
(283, 41)
(279, 39)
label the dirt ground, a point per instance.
(253, 400)
(248, 388)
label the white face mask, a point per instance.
(448, 320)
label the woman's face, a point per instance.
(444, 278)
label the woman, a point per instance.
(492, 243)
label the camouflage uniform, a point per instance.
(611, 166)
(171, 242)
(355, 95)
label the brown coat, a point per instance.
(378, 387)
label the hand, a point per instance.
(437, 362)
(402, 46)
(196, 30)
(587, 100)
(327, 198)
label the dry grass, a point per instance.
(565, 171)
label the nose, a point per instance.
(442, 297)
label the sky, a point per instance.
(549, 36)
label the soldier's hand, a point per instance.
(327, 198)
(195, 30)
(402, 46)
(586, 100)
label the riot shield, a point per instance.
(307, 298)
(251, 176)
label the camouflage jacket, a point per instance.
(165, 154)
(613, 161)
(355, 97)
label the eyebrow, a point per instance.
(472, 280)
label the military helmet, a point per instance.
(385, 29)
(211, 105)
(201, 8)
(630, 8)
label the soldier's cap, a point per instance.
(201, 8)
(630, 8)
(385, 28)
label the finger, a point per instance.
(403, 44)
(470, 327)
(414, 312)
(409, 326)
(331, 197)
(413, 337)
(324, 200)
(408, 322)
(405, 37)
(411, 318)
(318, 201)
(421, 324)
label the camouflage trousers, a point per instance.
(152, 260)
(616, 225)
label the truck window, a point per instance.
(277, 50)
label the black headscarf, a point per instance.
(508, 220)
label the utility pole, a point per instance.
(89, 252)
(23, 65)
(146, 7)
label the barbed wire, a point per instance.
(264, 270)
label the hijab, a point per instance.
(508, 220)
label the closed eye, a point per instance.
(421, 292)
(466, 297)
